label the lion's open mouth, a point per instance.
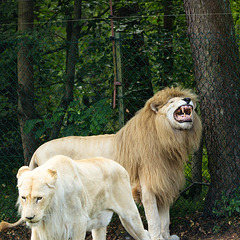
(183, 114)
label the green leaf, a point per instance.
(30, 125)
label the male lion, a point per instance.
(153, 147)
(62, 199)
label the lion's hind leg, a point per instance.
(134, 227)
(124, 205)
(129, 215)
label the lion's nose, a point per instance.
(30, 218)
(187, 100)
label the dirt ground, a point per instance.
(188, 228)
(197, 228)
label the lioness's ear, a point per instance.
(51, 178)
(22, 170)
(154, 107)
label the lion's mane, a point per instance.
(149, 147)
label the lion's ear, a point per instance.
(22, 170)
(52, 177)
(154, 107)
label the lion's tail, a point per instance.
(6, 225)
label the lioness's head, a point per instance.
(177, 105)
(36, 189)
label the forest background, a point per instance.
(62, 64)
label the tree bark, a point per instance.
(197, 170)
(216, 63)
(26, 109)
(73, 32)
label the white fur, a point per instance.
(169, 109)
(66, 198)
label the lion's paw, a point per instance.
(174, 237)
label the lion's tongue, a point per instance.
(183, 118)
(183, 114)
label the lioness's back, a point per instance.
(91, 170)
(107, 166)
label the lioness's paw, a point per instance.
(174, 237)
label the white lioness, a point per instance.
(62, 199)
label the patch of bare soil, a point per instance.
(198, 227)
(188, 228)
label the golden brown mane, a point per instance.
(149, 147)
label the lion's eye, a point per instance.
(23, 198)
(38, 199)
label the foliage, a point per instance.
(94, 120)
(8, 200)
(205, 173)
(235, 7)
(183, 207)
(8, 196)
(94, 69)
(228, 206)
(228, 210)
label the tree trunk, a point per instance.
(26, 110)
(73, 32)
(197, 171)
(216, 64)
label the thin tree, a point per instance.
(73, 33)
(26, 109)
(216, 63)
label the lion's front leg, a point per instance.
(150, 207)
(34, 234)
(165, 221)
